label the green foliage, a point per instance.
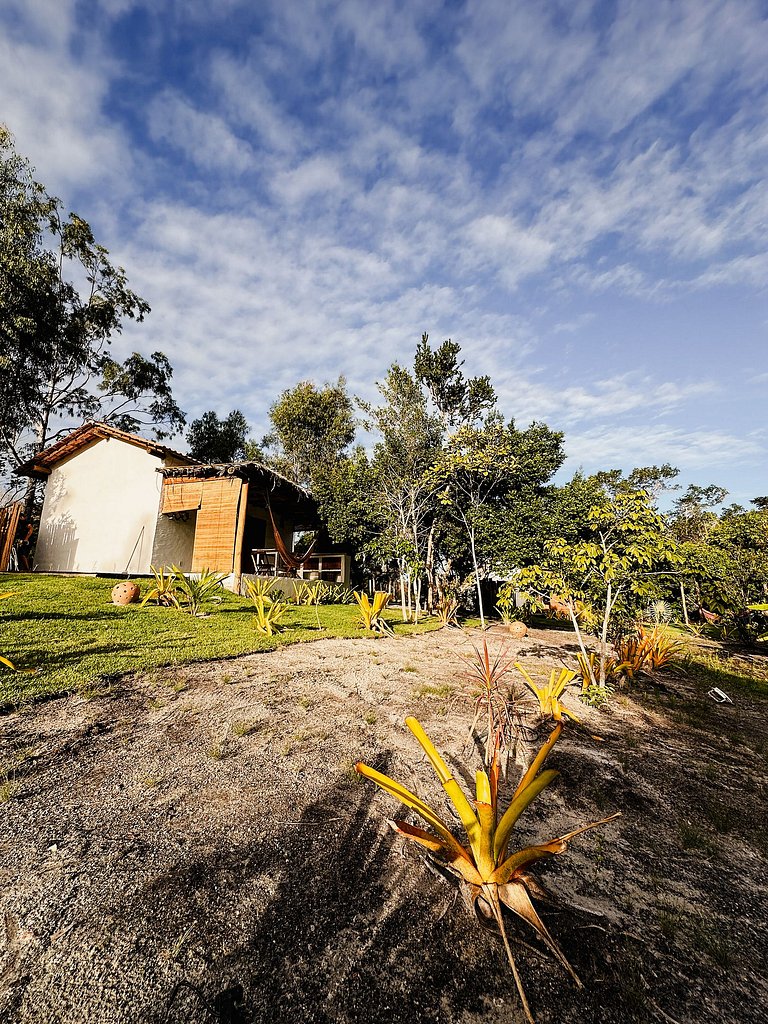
(61, 301)
(479, 466)
(456, 398)
(616, 566)
(311, 428)
(213, 440)
(728, 569)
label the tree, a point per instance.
(692, 517)
(651, 479)
(213, 440)
(482, 469)
(61, 301)
(403, 496)
(458, 400)
(311, 429)
(616, 566)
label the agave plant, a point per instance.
(269, 609)
(196, 590)
(495, 877)
(163, 592)
(370, 611)
(549, 694)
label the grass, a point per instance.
(725, 670)
(67, 631)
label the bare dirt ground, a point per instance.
(195, 846)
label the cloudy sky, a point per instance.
(575, 191)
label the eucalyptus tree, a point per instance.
(61, 302)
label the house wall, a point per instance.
(174, 541)
(100, 510)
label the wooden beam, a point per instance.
(241, 515)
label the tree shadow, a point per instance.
(353, 930)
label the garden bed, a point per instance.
(194, 845)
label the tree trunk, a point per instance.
(683, 603)
(429, 567)
(471, 531)
(604, 636)
(580, 639)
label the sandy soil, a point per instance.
(194, 846)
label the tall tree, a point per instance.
(61, 301)
(311, 428)
(404, 496)
(483, 470)
(211, 439)
(458, 400)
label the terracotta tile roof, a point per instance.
(94, 430)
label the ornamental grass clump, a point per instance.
(495, 877)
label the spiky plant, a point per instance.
(549, 693)
(496, 702)
(268, 605)
(196, 590)
(495, 877)
(163, 591)
(371, 611)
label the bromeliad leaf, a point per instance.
(494, 877)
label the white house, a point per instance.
(101, 502)
(116, 503)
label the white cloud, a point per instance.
(204, 138)
(653, 444)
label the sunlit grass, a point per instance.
(69, 633)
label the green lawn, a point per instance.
(67, 631)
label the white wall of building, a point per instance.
(100, 510)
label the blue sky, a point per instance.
(574, 191)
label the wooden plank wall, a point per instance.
(216, 529)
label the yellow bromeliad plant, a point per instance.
(549, 694)
(371, 611)
(495, 876)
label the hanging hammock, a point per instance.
(292, 561)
